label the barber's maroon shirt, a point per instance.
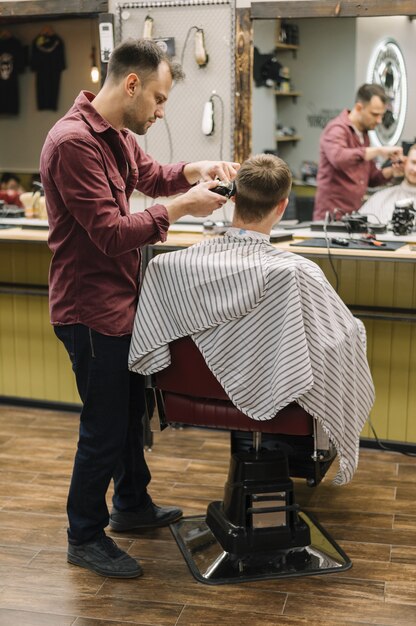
(343, 174)
(89, 171)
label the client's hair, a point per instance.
(142, 56)
(6, 177)
(261, 183)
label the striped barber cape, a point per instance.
(271, 329)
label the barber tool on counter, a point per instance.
(403, 218)
(34, 202)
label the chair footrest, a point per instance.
(272, 509)
(210, 564)
(242, 540)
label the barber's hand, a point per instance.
(397, 167)
(224, 170)
(210, 170)
(395, 153)
(199, 201)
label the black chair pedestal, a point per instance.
(258, 512)
(245, 539)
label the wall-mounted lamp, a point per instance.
(95, 72)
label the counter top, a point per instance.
(184, 239)
(403, 253)
(23, 234)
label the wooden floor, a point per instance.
(373, 519)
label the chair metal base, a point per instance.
(211, 565)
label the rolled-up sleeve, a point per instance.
(160, 217)
(156, 180)
(92, 201)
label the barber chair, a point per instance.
(257, 531)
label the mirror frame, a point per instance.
(46, 9)
(331, 8)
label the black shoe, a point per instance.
(151, 517)
(104, 557)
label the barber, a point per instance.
(346, 159)
(90, 164)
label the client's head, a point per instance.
(262, 189)
(410, 166)
(10, 182)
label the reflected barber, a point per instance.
(346, 159)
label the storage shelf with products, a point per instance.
(287, 39)
(287, 138)
(286, 46)
(292, 94)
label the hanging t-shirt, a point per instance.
(12, 63)
(48, 61)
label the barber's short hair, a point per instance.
(368, 91)
(412, 147)
(142, 56)
(261, 183)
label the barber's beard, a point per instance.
(131, 122)
(135, 126)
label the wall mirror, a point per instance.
(322, 51)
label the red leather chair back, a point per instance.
(192, 395)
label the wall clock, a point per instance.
(387, 68)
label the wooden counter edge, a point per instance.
(178, 239)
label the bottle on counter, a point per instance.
(34, 203)
(27, 201)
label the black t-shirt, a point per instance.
(48, 61)
(12, 63)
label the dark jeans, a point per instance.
(111, 433)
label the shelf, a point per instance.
(287, 138)
(298, 182)
(291, 94)
(286, 46)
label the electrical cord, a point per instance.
(170, 142)
(347, 225)
(331, 262)
(186, 42)
(215, 95)
(346, 213)
(336, 211)
(145, 202)
(383, 446)
(376, 216)
(365, 224)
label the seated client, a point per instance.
(379, 207)
(10, 189)
(270, 327)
